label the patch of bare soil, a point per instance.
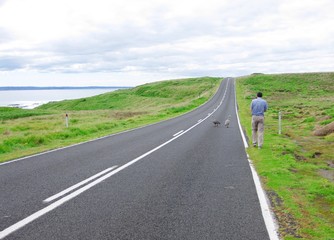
(299, 157)
(316, 155)
(328, 174)
(330, 164)
(6, 132)
(287, 224)
(326, 130)
(324, 118)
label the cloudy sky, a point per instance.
(130, 42)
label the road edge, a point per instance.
(267, 214)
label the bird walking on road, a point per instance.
(227, 121)
(216, 123)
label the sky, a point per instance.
(132, 42)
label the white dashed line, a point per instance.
(178, 133)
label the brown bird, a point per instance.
(216, 123)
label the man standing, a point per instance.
(258, 107)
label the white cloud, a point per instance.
(129, 40)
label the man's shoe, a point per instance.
(254, 144)
(260, 147)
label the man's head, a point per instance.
(259, 94)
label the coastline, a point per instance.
(23, 88)
(26, 104)
(32, 97)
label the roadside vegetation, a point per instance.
(296, 167)
(25, 132)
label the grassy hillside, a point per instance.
(296, 167)
(149, 97)
(24, 132)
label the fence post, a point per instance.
(279, 122)
(66, 120)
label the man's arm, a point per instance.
(252, 107)
(266, 106)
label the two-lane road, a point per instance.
(178, 179)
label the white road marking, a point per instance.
(52, 206)
(177, 133)
(236, 110)
(50, 199)
(200, 120)
(265, 209)
(72, 195)
(270, 223)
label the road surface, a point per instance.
(178, 179)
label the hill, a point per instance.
(148, 97)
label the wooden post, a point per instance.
(66, 120)
(279, 122)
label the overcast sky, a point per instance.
(130, 42)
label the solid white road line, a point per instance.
(236, 110)
(271, 225)
(77, 185)
(63, 200)
(177, 133)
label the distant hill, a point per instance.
(146, 98)
(12, 88)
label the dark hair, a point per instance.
(259, 94)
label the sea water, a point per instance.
(29, 99)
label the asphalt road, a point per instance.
(178, 179)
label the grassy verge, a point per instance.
(25, 132)
(296, 167)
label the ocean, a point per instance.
(29, 99)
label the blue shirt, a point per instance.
(259, 106)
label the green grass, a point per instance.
(25, 132)
(14, 113)
(295, 167)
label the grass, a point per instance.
(7, 113)
(25, 132)
(296, 167)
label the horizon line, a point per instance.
(59, 87)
